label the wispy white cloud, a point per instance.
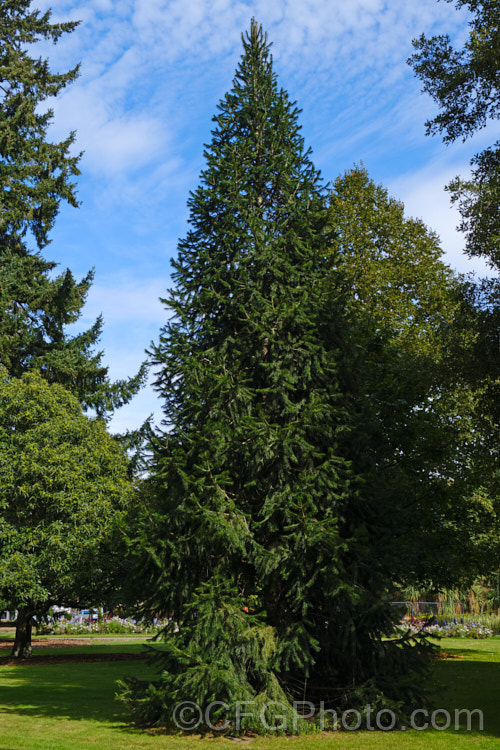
(144, 64)
(125, 300)
(152, 73)
(423, 194)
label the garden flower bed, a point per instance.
(452, 628)
(113, 625)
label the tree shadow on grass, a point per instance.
(73, 691)
(87, 690)
(470, 684)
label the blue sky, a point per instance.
(152, 73)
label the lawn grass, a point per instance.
(72, 707)
(7, 636)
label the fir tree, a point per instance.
(35, 176)
(257, 538)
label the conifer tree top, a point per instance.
(257, 539)
(258, 183)
(35, 174)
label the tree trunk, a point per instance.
(22, 643)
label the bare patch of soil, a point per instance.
(64, 658)
(49, 643)
(7, 661)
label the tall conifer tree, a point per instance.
(35, 176)
(257, 539)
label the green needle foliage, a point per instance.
(258, 538)
(35, 176)
(63, 490)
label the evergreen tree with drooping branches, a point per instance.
(36, 175)
(258, 538)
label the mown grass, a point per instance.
(72, 707)
(7, 636)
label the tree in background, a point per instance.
(63, 489)
(258, 536)
(465, 85)
(416, 331)
(35, 176)
(47, 494)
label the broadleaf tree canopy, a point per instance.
(63, 488)
(418, 334)
(465, 83)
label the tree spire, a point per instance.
(255, 539)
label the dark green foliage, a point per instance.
(477, 366)
(465, 84)
(478, 201)
(418, 336)
(35, 176)
(35, 310)
(63, 489)
(258, 536)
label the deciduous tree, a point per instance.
(63, 489)
(419, 337)
(465, 85)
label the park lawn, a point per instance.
(72, 707)
(7, 636)
(96, 646)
